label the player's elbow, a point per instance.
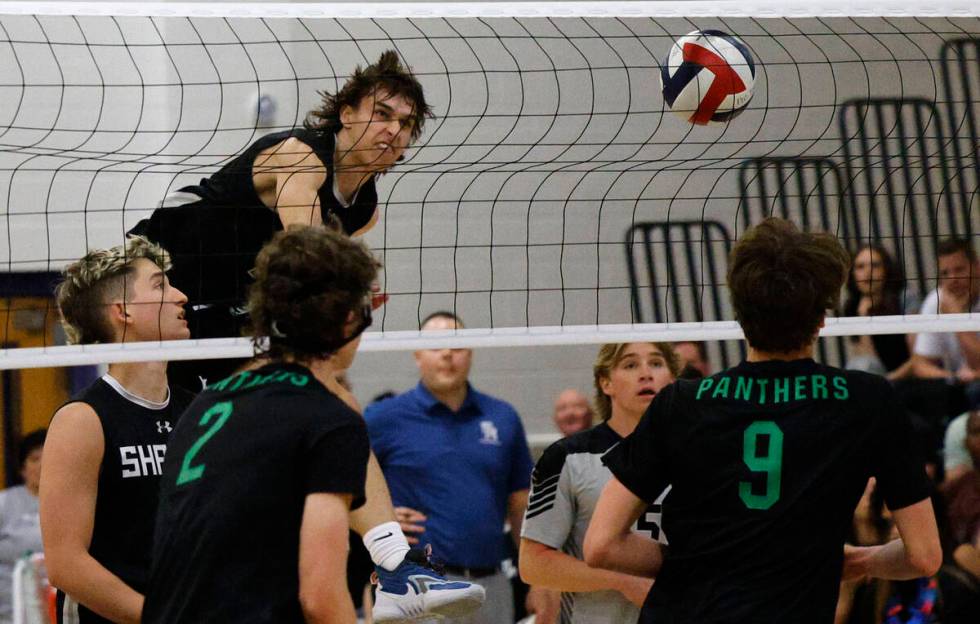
(597, 549)
(319, 607)
(530, 562)
(927, 561)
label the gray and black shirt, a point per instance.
(565, 487)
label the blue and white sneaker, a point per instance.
(416, 589)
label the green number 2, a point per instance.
(771, 463)
(189, 473)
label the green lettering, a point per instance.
(743, 388)
(220, 385)
(722, 388)
(799, 392)
(819, 389)
(704, 386)
(762, 389)
(840, 388)
(240, 378)
(780, 390)
(299, 380)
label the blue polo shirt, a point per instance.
(458, 468)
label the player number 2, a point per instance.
(770, 463)
(190, 473)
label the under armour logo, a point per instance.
(164, 425)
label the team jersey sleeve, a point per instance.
(639, 461)
(898, 467)
(550, 513)
(337, 458)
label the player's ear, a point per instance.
(117, 312)
(606, 384)
(346, 113)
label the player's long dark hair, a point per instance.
(386, 77)
(783, 281)
(311, 293)
(893, 286)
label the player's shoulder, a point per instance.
(594, 441)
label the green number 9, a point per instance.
(771, 463)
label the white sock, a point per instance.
(387, 545)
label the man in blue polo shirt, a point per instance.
(444, 422)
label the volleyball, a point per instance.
(708, 77)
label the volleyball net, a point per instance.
(554, 199)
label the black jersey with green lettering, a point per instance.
(767, 462)
(239, 467)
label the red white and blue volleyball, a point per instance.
(708, 77)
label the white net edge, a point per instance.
(215, 348)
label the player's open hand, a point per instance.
(411, 521)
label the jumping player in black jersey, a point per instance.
(267, 463)
(104, 453)
(767, 461)
(322, 172)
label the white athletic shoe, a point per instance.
(415, 590)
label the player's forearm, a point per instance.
(547, 567)
(628, 553)
(924, 368)
(970, 347)
(89, 583)
(967, 556)
(892, 561)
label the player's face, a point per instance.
(869, 272)
(957, 274)
(572, 413)
(155, 309)
(443, 370)
(637, 377)
(379, 130)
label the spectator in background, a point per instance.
(572, 412)
(956, 456)
(954, 357)
(446, 424)
(961, 577)
(20, 524)
(693, 358)
(876, 287)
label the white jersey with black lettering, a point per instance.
(565, 487)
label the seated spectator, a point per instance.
(961, 576)
(876, 287)
(956, 457)
(693, 358)
(952, 356)
(20, 525)
(572, 412)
